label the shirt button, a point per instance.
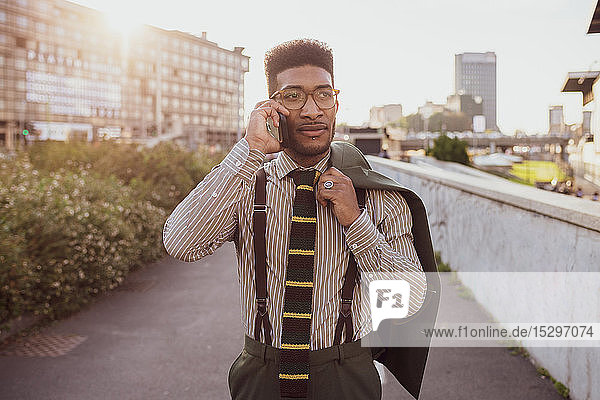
(238, 163)
(354, 246)
(215, 194)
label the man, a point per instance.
(301, 87)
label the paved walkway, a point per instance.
(176, 329)
(586, 186)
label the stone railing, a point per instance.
(487, 224)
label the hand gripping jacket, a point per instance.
(407, 364)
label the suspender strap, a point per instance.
(345, 317)
(260, 257)
(260, 271)
(360, 196)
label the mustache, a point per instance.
(311, 124)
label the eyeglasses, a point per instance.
(295, 98)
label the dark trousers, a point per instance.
(343, 372)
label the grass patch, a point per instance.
(454, 279)
(560, 387)
(531, 171)
(519, 351)
(465, 293)
(543, 372)
(441, 265)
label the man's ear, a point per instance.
(337, 106)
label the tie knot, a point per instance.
(304, 177)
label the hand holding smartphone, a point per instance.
(261, 133)
(279, 133)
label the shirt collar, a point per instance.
(284, 164)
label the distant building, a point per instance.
(381, 116)
(66, 74)
(347, 129)
(556, 120)
(586, 160)
(466, 104)
(475, 75)
(586, 125)
(368, 139)
(429, 108)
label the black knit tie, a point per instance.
(297, 301)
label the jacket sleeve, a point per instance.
(387, 248)
(207, 217)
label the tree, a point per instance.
(447, 149)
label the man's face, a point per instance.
(311, 129)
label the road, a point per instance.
(174, 328)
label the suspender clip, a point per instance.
(261, 303)
(260, 208)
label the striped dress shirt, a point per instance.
(380, 240)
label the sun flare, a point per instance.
(124, 19)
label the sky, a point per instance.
(401, 51)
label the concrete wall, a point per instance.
(481, 224)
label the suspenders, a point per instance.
(260, 272)
(260, 257)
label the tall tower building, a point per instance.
(475, 74)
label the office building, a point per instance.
(586, 159)
(475, 75)
(430, 108)
(381, 116)
(556, 120)
(65, 74)
(586, 125)
(466, 104)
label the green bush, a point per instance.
(447, 149)
(163, 175)
(76, 218)
(167, 174)
(78, 235)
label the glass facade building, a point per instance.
(65, 74)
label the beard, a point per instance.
(311, 148)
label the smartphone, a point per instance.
(280, 133)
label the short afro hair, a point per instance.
(296, 53)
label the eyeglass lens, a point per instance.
(296, 98)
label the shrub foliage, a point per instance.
(75, 218)
(447, 149)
